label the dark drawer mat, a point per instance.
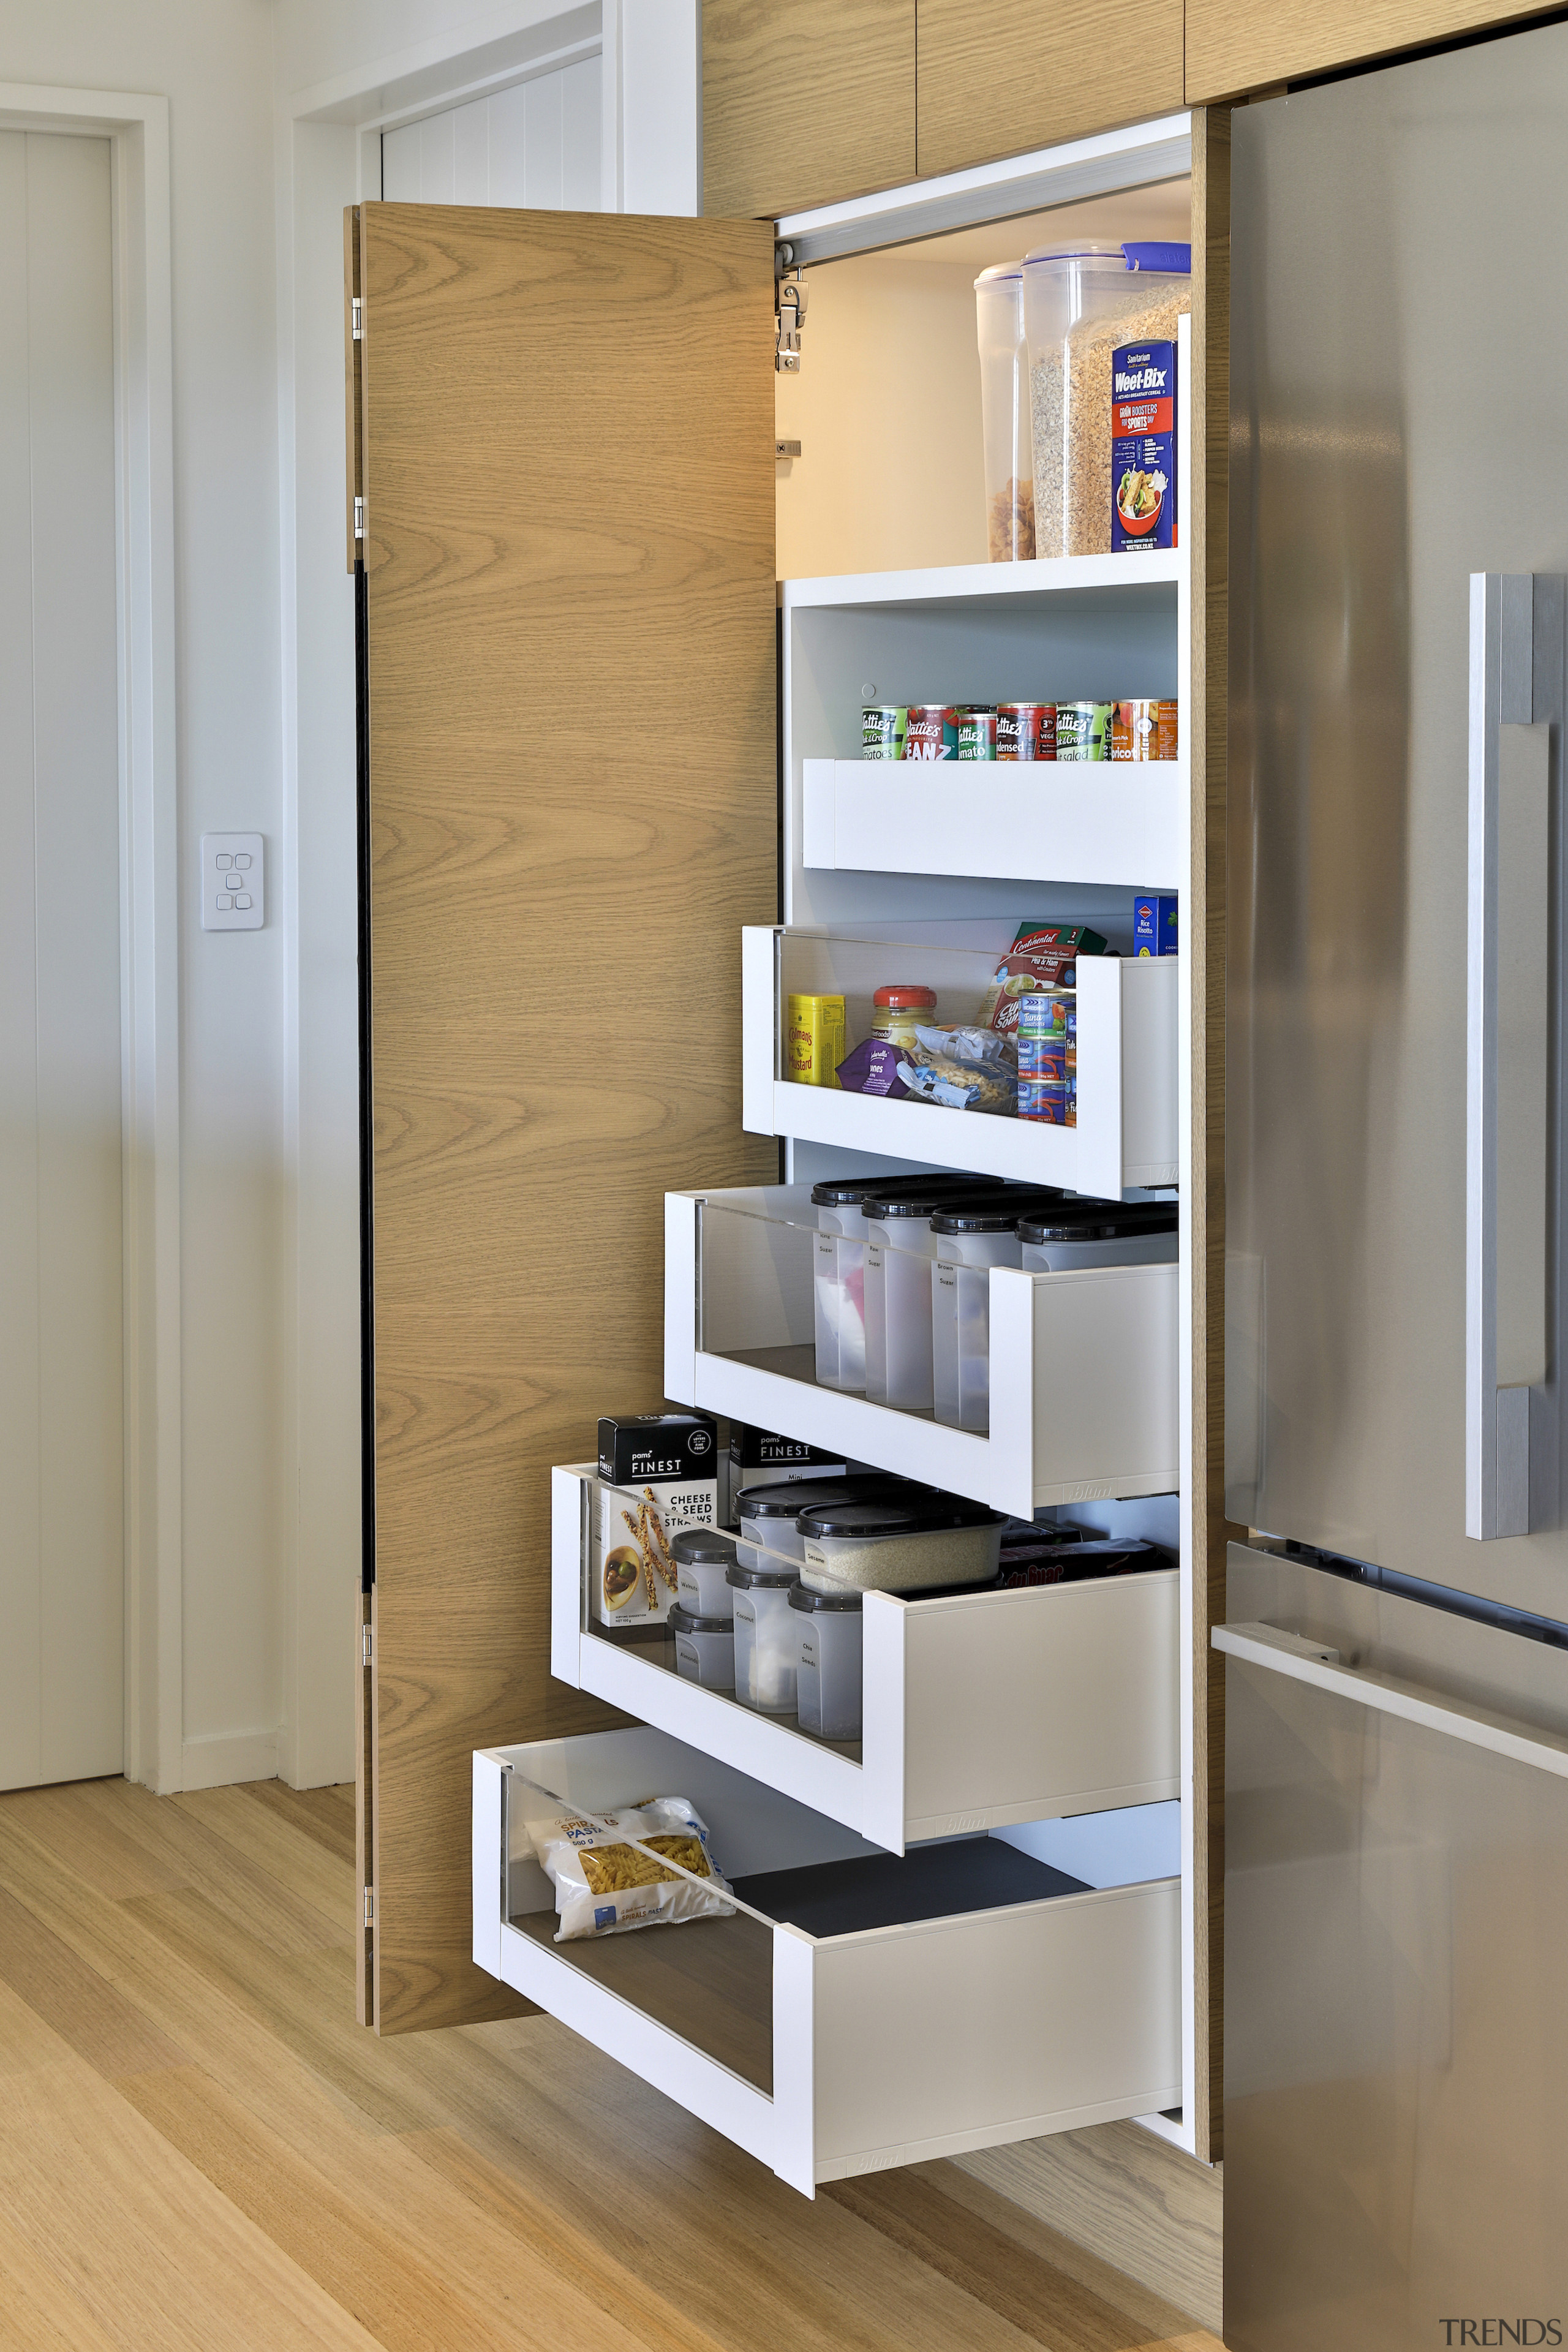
(890, 1890)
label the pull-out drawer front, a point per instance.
(844, 2054)
(981, 1709)
(1084, 1384)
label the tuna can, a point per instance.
(883, 726)
(932, 731)
(1026, 731)
(1042, 1057)
(977, 731)
(1083, 731)
(1043, 1100)
(1044, 1013)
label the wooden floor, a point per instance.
(200, 2148)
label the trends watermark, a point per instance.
(1502, 2331)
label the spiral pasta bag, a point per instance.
(604, 1883)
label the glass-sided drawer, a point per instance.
(1081, 1366)
(959, 1996)
(1127, 1012)
(980, 1708)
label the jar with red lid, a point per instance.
(899, 1009)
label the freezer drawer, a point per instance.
(981, 1708)
(828, 2055)
(1396, 1911)
(1083, 1366)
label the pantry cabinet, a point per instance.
(996, 77)
(595, 869)
(1234, 47)
(804, 101)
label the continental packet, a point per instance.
(1043, 955)
(604, 1885)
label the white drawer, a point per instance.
(1083, 1376)
(981, 1708)
(828, 2056)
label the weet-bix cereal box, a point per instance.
(1143, 446)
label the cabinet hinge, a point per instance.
(370, 1906)
(367, 1647)
(356, 319)
(359, 517)
(789, 307)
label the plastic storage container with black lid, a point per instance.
(969, 1239)
(888, 1547)
(828, 1678)
(768, 1514)
(839, 1300)
(900, 1249)
(1136, 1233)
(704, 1648)
(703, 1557)
(765, 1642)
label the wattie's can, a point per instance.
(932, 732)
(882, 730)
(977, 731)
(1083, 731)
(1143, 730)
(1026, 731)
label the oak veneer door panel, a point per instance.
(996, 77)
(1234, 46)
(568, 476)
(804, 101)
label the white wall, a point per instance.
(213, 59)
(268, 98)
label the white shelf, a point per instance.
(829, 2056)
(1121, 823)
(1126, 1136)
(981, 1709)
(1051, 576)
(1084, 1378)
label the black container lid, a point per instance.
(743, 1578)
(805, 1597)
(881, 1206)
(786, 1498)
(843, 1191)
(877, 1517)
(1112, 1556)
(999, 1217)
(702, 1543)
(1097, 1221)
(684, 1621)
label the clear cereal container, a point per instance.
(1079, 302)
(1004, 414)
(766, 1644)
(890, 1547)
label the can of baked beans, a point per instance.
(932, 731)
(1026, 731)
(1143, 730)
(882, 729)
(977, 731)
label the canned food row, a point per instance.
(1019, 730)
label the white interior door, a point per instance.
(61, 1473)
(536, 144)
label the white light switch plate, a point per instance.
(234, 895)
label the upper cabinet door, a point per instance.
(1234, 46)
(805, 102)
(570, 641)
(998, 77)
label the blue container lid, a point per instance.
(1175, 258)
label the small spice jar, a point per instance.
(899, 1009)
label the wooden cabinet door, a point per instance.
(1233, 46)
(998, 77)
(568, 765)
(804, 101)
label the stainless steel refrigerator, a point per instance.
(1396, 1809)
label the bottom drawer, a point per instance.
(847, 2049)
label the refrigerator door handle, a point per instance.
(1279, 1653)
(1516, 699)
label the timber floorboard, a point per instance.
(200, 2150)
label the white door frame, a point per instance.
(137, 127)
